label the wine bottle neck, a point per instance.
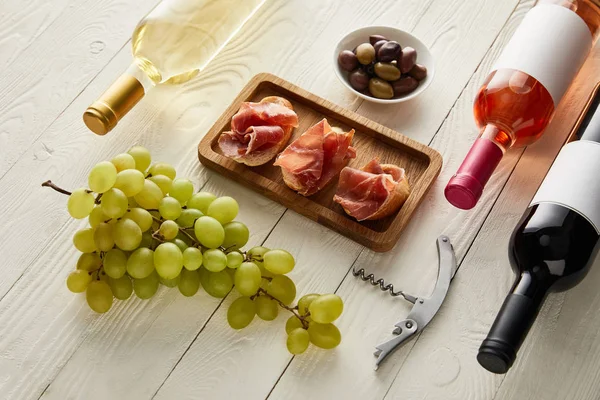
(499, 349)
(104, 114)
(466, 186)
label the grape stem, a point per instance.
(293, 310)
(51, 185)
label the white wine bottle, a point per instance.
(171, 45)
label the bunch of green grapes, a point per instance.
(148, 228)
(261, 280)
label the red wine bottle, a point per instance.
(555, 243)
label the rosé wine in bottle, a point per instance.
(517, 100)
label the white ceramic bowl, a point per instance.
(353, 39)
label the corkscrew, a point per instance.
(424, 309)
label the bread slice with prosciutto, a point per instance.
(259, 131)
(373, 192)
(310, 162)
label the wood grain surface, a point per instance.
(371, 140)
(59, 56)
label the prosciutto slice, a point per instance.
(375, 191)
(258, 131)
(255, 138)
(310, 162)
(261, 114)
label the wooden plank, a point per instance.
(371, 140)
(170, 121)
(442, 362)
(347, 371)
(50, 52)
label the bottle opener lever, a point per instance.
(424, 309)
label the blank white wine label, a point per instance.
(574, 181)
(550, 45)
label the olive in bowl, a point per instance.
(389, 65)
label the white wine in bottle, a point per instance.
(171, 45)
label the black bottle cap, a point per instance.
(495, 356)
(499, 350)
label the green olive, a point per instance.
(381, 89)
(387, 71)
(365, 53)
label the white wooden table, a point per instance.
(57, 56)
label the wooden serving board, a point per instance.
(422, 163)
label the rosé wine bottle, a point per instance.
(517, 100)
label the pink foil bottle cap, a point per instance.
(465, 188)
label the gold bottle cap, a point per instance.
(102, 116)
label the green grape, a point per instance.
(169, 208)
(123, 161)
(216, 284)
(180, 243)
(147, 240)
(146, 287)
(142, 158)
(326, 308)
(305, 301)
(141, 217)
(80, 203)
(189, 283)
(78, 281)
(89, 262)
(168, 260)
(115, 263)
(163, 182)
(192, 258)
(234, 259)
(214, 260)
(298, 341)
(279, 261)
(220, 283)
(247, 279)
(163, 169)
(140, 263)
(170, 283)
(169, 229)
(102, 177)
(130, 182)
(224, 209)
(209, 232)
(84, 240)
(150, 196)
(97, 216)
(121, 287)
(99, 296)
(267, 309)
(241, 312)
(103, 237)
(325, 336)
(283, 289)
(292, 323)
(201, 201)
(188, 217)
(182, 189)
(127, 235)
(114, 203)
(236, 235)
